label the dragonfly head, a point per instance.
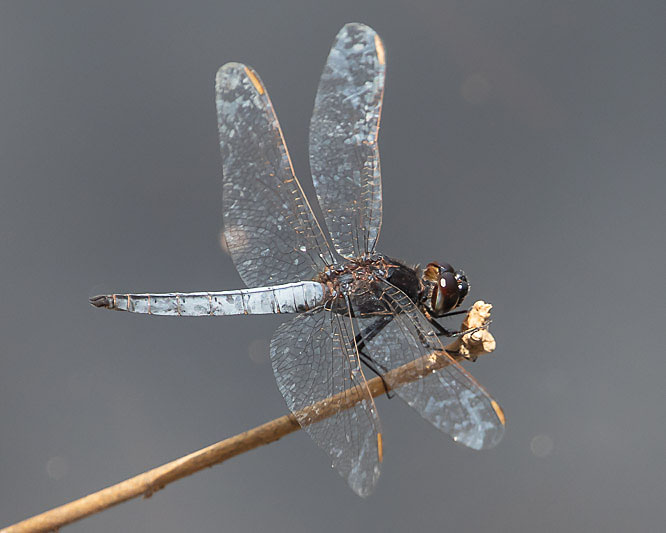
(446, 288)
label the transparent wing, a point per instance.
(271, 232)
(344, 156)
(314, 358)
(451, 399)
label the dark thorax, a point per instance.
(356, 282)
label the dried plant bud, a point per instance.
(479, 342)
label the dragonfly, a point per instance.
(355, 309)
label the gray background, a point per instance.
(522, 141)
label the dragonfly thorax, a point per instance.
(356, 280)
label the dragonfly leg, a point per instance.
(458, 312)
(366, 336)
(368, 362)
(442, 331)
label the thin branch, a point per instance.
(469, 346)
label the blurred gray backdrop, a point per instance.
(522, 141)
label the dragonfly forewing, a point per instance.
(272, 234)
(344, 154)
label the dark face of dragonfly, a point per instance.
(448, 288)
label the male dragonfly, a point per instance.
(352, 305)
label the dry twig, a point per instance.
(469, 346)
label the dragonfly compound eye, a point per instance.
(446, 294)
(446, 267)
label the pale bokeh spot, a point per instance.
(223, 242)
(258, 351)
(542, 445)
(56, 467)
(234, 236)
